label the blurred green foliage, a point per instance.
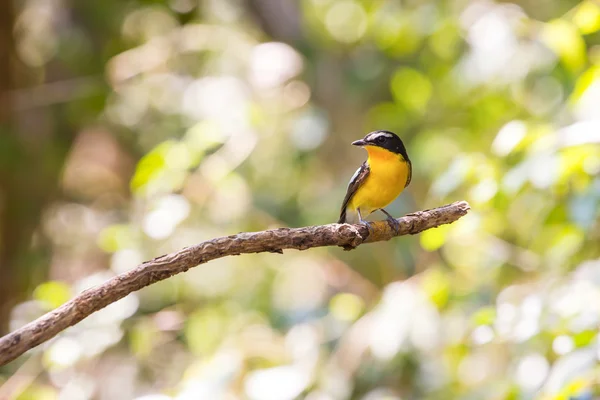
(201, 118)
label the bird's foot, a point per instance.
(367, 224)
(393, 223)
(364, 222)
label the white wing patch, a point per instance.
(355, 176)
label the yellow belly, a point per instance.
(385, 182)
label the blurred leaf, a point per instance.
(584, 338)
(203, 137)
(433, 239)
(484, 316)
(38, 392)
(445, 40)
(204, 330)
(143, 338)
(573, 389)
(53, 293)
(117, 237)
(386, 114)
(563, 38)
(346, 21)
(587, 17)
(411, 88)
(346, 306)
(396, 35)
(158, 163)
(436, 286)
(584, 81)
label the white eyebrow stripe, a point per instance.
(374, 136)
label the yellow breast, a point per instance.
(386, 180)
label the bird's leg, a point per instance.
(362, 221)
(393, 222)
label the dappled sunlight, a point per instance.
(215, 117)
(346, 21)
(272, 64)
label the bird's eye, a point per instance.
(380, 140)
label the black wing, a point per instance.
(357, 179)
(409, 177)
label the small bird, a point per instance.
(379, 180)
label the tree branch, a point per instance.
(275, 240)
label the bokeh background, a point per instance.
(129, 129)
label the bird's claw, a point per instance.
(394, 224)
(368, 225)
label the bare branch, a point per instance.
(275, 240)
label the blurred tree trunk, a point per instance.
(279, 19)
(6, 46)
(8, 270)
(33, 147)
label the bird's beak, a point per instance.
(360, 142)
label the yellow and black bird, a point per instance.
(379, 180)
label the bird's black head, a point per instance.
(384, 139)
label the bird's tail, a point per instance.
(342, 219)
(348, 216)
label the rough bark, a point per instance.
(163, 267)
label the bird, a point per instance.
(379, 180)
